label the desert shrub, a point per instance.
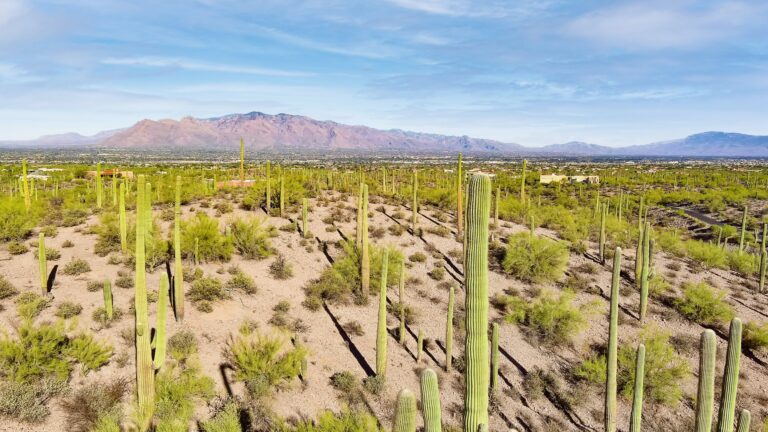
(100, 316)
(437, 273)
(68, 310)
(29, 304)
(439, 230)
(669, 242)
(207, 288)
(90, 353)
(534, 259)
(745, 264)
(396, 229)
(242, 282)
(177, 390)
(226, 419)
(94, 403)
(552, 319)
(755, 336)
(593, 370)
(36, 354)
(67, 244)
(6, 288)
(338, 282)
(417, 257)
(204, 306)
(706, 254)
(76, 267)
(27, 402)
(535, 383)
(703, 304)
(125, 280)
(665, 370)
(17, 248)
(347, 420)
(108, 232)
(658, 286)
(212, 244)
(375, 385)
(281, 269)
(182, 345)
(94, 285)
(263, 362)
(50, 231)
(251, 238)
(192, 274)
(15, 222)
(290, 227)
(223, 208)
(52, 254)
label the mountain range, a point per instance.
(285, 133)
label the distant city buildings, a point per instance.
(556, 178)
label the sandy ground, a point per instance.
(329, 353)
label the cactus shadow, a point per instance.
(51, 279)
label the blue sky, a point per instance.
(526, 71)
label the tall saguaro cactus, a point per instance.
(637, 393)
(730, 379)
(269, 188)
(178, 269)
(430, 401)
(123, 221)
(365, 259)
(476, 302)
(743, 229)
(459, 199)
(449, 332)
(612, 357)
(745, 418)
(381, 329)
(415, 202)
(159, 343)
(763, 260)
(242, 162)
(99, 187)
(405, 412)
(522, 181)
(108, 303)
(282, 195)
(496, 207)
(43, 264)
(25, 185)
(706, 390)
(601, 240)
(401, 298)
(644, 270)
(304, 213)
(145, 373)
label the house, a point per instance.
(35, 175)
(551, 178)
(110, 172)
(556, 178)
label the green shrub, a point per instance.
(437, 273)
(706, 254)
(182, 345)
(91, 406)
(177, 390)
(15, 222)
(68, 309)
(76, 267)
(242, 282)
(593, 370)
(534, 259)
(665, 370)
(207, 289)
(26, 402)
(703, 304)
(93, 286)
(417, 257)
(125, 280)
(90, 353)
(554, 320)
(108, 232)
(212, 244)
(17, 248)
(100, 316)
(670, 242)
(227, 419)
(50, 231)
(745, 264)
(755, 336)
(36, 354)
(347, 421)
(30, 304)
(251, 238)
(263, 362)
(281, 269)
(52, 254)
(6, 288)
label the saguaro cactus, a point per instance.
(763, 259)
(365, 259)
(401, 297)
(123, 221)
(496, 208)
(449, 332)
(419, 346)
(108, 303)
(381, 330)
(637, 392)
(745, 419)
(269, 189)
(178, 269)
(405, 412)
(415, 202)
(476, 303)
(601, 240)
(304, 213)
(282, 195)
(644, 270)
(242, 162)
(611, 358)
(706, 392)
(730, 379)
(99, 186)
(430, 401)
(743, 229)
(522, 181)
(359, 230)
(494, 358)
(145, 373)
(159, 344)
(459, 199)
(25, 184)
(43, 264)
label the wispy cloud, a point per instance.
(474, 8)
(11, 9)
(14, 74)
(665, 24)
(164, 62)
(368, 49)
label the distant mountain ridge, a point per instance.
(293, 133)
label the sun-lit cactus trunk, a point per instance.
(449, 332)
(304, 214)
(494, 358)
(99, 187)
(405, 412)
(43, 264)
(25, 185)
(639, 256)
(365, 259)
(114, 188)
(415, 202)
(522, 182)
(269, 189)
(381, 329)
(730, 379)
(745, 418)
(496, 208)
(123, 221)
(644, 270)
(430, 401)
(242, 162)
(178, 269)
(108, 303)
(637, 393)
(743, 233)
(359, 229)
(763, 259)
(401, 297)
(601, 239)
(477, 372)
(145, 385)
(705, 396)
(612, 356)
(282, 196)
(159, 343)
(148, 223)
(459, 199)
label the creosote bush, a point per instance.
(242, 282)
(534, 259)
(17, 248)
(704, 304)
(177, 391)
(212, 244)
(94, 404)
(30, 304)
(6, 288)
(207, 289)
(68, 309)
(27, 402)
(280, 268)
(553, 319)
(76, 267)
(251, 238)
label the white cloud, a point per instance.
(11, 9)
(14, 74)
(664, 24)
(373, 50)
(163, 62)
(474, 8)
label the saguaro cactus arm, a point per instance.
(430, 401)
(637, 393)
(405, 412)
(706, 390)
(730, 379)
